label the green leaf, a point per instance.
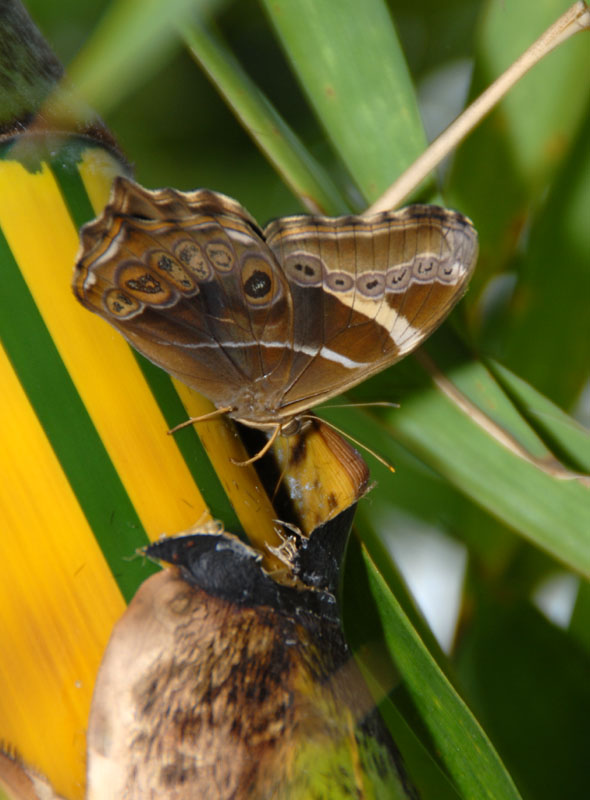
(306, 178)
(529, 684)
(561, 431)
(352, 68)
(552, 513)
(539, 499)
(467, 752)
(502, 169)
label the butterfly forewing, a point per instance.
(188, 279)
(269, 324)
(367, 291)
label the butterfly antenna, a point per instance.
(203, 418)
(356, 442)
(261, 452)
(374, 404)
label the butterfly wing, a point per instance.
(366, 291)
(188, 279)
(192, 283)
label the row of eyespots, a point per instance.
(159, 282)
(200, 260)
(309, 270)
(258, 279)
(257, 274)
(163, 277)
(183, 270)
(258, 285)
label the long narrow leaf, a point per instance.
(302, 173)
(351, 65)
(466, 750)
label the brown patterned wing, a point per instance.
(366, 291)
(188, 279)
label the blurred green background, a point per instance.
(178, 131)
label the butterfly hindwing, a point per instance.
(367, 290)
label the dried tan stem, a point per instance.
(576, 18)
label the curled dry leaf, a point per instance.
(212, 693)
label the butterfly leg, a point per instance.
(192, 420)
(263, 451)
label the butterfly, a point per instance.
(268, 323)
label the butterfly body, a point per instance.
(269, 323)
